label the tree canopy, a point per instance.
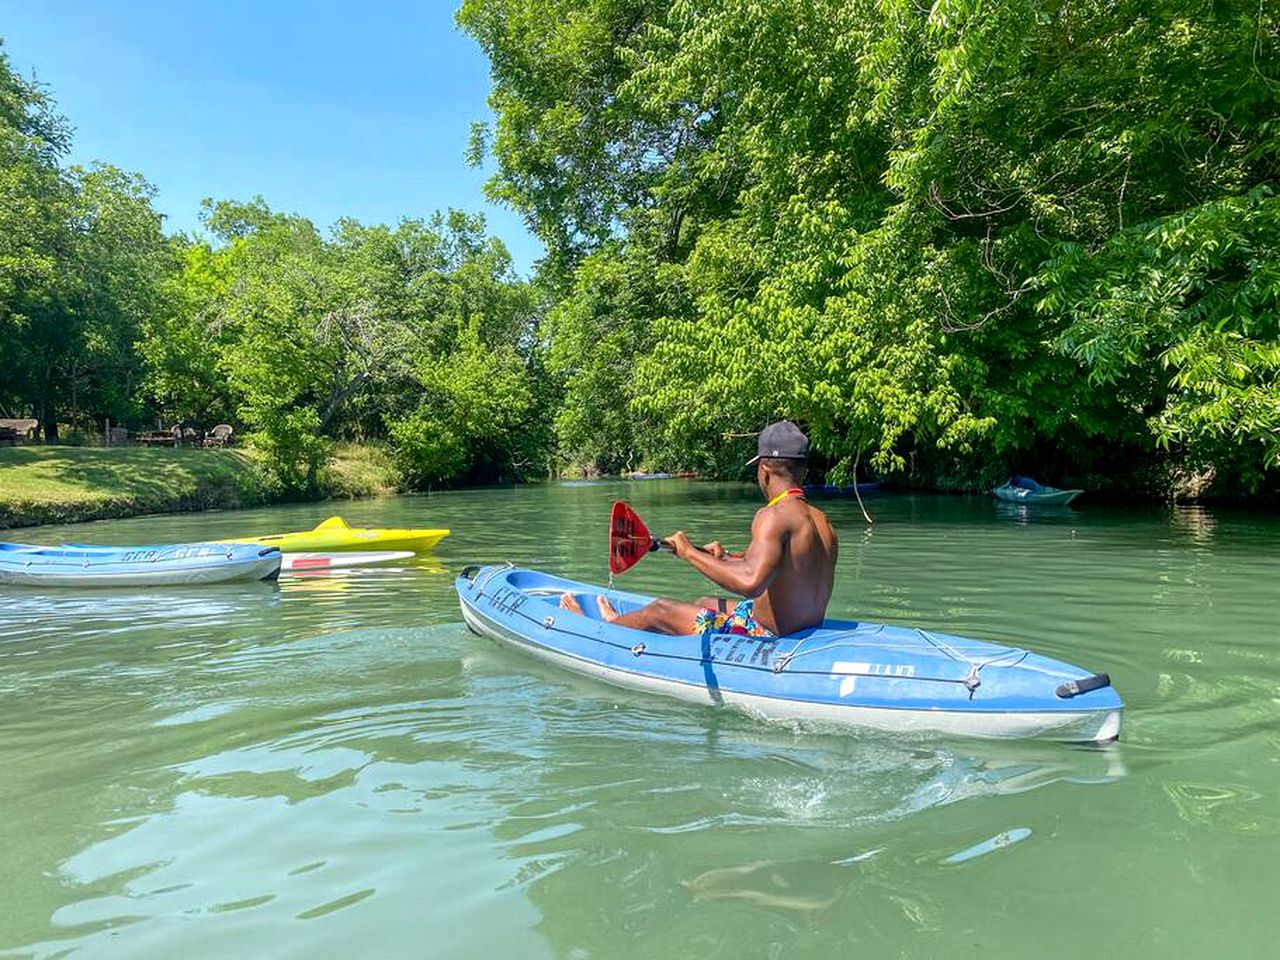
(954, 239)
(418, 335)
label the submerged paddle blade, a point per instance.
(629, 538)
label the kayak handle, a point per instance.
(1073, 688)
(469, 571)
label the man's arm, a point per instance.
(749, 576)
(719, 552)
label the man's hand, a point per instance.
(681, 544)
(715, 549)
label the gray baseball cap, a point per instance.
(783, 440)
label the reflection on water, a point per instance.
(805, 887)
(1001, 840)
(334, 765)
(1024, 514)
(1235, 808)
(1193, 522)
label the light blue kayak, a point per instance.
(844, 672)
(1026, 490)
(161, 565)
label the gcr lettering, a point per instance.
(754, 651)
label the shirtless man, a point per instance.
(786, 573)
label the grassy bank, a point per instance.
(70, 484)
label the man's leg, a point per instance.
(662, 616)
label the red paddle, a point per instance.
(629, 538)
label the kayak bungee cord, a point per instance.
(971, 682)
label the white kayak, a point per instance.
(320, 562)
(175, 564)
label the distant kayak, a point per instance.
(147, 566)
(318, 562)
(1026, 490)
(684, 475)
(844, 672)
(335, 534)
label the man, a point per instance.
(786, 573)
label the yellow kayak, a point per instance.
(334, 534)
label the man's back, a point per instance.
(798, 595)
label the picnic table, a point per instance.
(21, 430)
(157, 438)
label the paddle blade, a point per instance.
(629, 538)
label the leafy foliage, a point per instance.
(404, 332)
(954, 240)
(82, 257)
(418, 333)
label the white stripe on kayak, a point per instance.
(299, 562)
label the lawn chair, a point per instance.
(219, 436)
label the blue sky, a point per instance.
(325, 109)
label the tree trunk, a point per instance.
(48, 421)
(47, 409)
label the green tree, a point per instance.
(475, 403)
(82, 261)
(417, 333)
(34, 201)
(115, 281)
(896, 222)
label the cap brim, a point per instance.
(778, 456)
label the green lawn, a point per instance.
(68, 484)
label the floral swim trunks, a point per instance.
(741, 620)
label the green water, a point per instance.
(335, 767)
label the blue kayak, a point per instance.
(1026, 490)
(162, 565)
(844, 672)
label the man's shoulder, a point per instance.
(768, 515)
(781, 515)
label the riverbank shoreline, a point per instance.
(48, 485)
(42, 485)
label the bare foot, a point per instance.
(569, 602)
(606, 608)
